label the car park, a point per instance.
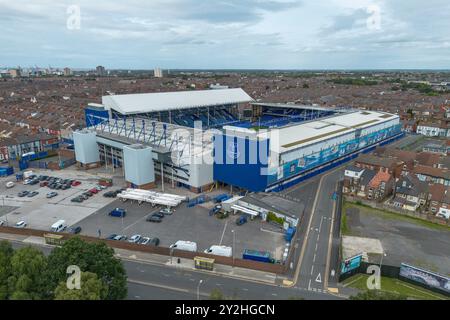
(21, 224)
(135, 238)
(51, 194)
(75, 230)
(22, 194)
(153, 218)
(32, 194)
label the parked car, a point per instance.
(241, 220)
(158, 214)
(166, 211)
(32, 194)
(120, 238)
(43, 184)
(93, 191)
(118, 212)
(77, 199)
(111, 237)
(10, 184)
(110, 194)
(88, 193)
(76, 183)
(3, 223)
(154, 242)
(153, 218)
(27, 181)
(135, 238)
(34, 181)
(23, 193)
(51, 194)
(144, 240)
(75, 230)
(20, 224)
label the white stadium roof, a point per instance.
(164, 101)
(310, 132)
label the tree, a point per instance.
(6, 253)
(377, 295)
(91, 288)
(216, 294)
(97, 258)
(27, 274)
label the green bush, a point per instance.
(272, 217)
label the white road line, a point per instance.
(312, 269)
(223, 232)
(314, 258)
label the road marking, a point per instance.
(245, 289)
(312, 269)
(149, 284)
(313, 210)
(314, 258)
(319, 278)
(327, 265)
(223, 232)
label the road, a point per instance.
(316, 232)
(157, 282)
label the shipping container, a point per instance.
(6, 171)
(261, 256)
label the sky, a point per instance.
(226, 34)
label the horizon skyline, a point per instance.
(227, 35)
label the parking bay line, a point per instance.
(223, 232)
(136, 222)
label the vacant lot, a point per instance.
(403, 239)
(395, 286)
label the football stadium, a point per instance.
(199, 138)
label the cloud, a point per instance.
(226, 33)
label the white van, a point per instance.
(27, 174)
(184, 245)
(9, 184)
(220, 251)
(59, 226)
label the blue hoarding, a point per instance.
(425, 277)
(351, 263)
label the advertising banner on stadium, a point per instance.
(428, 278)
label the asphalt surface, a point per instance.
(313, 266)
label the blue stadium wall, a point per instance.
(232, 163)
(247, 176)
(95, 115)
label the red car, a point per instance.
(43, 184)
(94, 191)
(76, 183)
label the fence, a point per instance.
(236, 262)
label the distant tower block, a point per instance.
(86, 149)
(139, 167)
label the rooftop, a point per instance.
(165, 101)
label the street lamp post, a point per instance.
(234, 243)
(381, 261)
(198, 289)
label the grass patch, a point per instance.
(344, 225)
(397, 286)
(389, 215)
